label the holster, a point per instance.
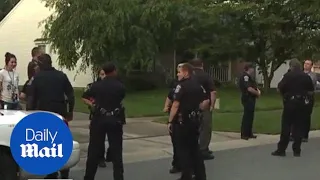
(119, 113)
(193, 117)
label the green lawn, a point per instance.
(227, 118)
(150, 103)
(265, 122)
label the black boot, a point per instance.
(52, 176)
(174, 170)
(102, 163)
(64, 174)
(278, 153)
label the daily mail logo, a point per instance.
(41, 143)
(33, 150)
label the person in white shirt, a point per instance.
(9, 83)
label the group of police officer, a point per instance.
(297, 89)
(188, 100)
(189, 104)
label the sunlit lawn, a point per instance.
(150, 103)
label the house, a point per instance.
(278, 74)
(20, 32)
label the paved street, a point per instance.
(252, 163)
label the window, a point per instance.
(42, 44)
(42, 47)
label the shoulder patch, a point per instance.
(246, 78)
(177, 89)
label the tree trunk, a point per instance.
(266, 79)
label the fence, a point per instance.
(219, 73)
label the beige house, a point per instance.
(20, 32)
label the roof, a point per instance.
(11, 12)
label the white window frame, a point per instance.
(43, 44)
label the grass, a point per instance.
(265, 122)
(227, 118)
(140, 104)
(150, 103)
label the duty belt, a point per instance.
(192, 116)
(300, 97)
(297, 97)
(195, 114)
(104, 112)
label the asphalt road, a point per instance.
(254, 163)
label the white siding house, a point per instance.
(278, 74)
(18, 32)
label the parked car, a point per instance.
(8, 120)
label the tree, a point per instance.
(269, 32)
(6, 6)
(129, 31)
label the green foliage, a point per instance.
(270, 32)
(134, 32)
(129, 31)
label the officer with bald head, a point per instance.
(295, 87)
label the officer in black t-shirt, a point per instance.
(189, 100)
(108, 119)
(206, 124)
(47, 91)
(167, 107)
(249, 93)
(295, 87)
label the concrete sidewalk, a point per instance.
(145, 140)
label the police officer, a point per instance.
(47, 91)
(108, 119)
(33, 68)
(33, 64)
(294, 87)
(307, 69)
(91, 113)
(206, 124)
(249, 93)
(167, 107)
(189, 100)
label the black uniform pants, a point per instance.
(307, 118)
(174, 138)
(106, 155)
(189, 151)
(293, 113)
(64, 174)
(248, 104)
(99, 128)
(61, 109)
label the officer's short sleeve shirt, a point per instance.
(245, 81)
(90, 91)
(190, 94)
(178, 92)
